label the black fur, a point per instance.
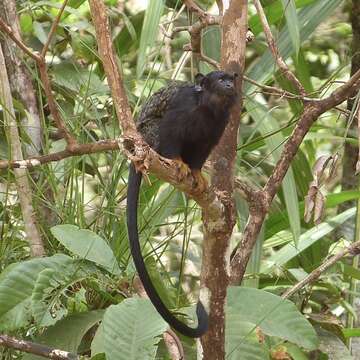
(180, 122)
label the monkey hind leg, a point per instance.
(201, 182)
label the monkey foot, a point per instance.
(201, 182)
(182, 168)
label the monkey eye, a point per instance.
(220, 80)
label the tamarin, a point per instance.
(182, 122)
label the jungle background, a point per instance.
(66, 276)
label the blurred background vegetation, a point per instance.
(50, 301)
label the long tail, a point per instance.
(132, 204)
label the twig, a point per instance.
(53, 28)
(245, 188)
(77, 150)
(109, 61)
(275, 51)
(7, 30)
(259, 209)
(352, 250)
(36, 349)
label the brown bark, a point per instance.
(349, 180)
(109, 60)
(22, 181)
(36, 349)
(20, 80)
(219, 226)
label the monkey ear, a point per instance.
(199, 77)
(201, 80)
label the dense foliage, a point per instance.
(80, 297)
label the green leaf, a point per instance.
(274, 315)
(68, 333)
(16, 318)
(39, 32)
(131, 330)
(292, 23)
(17, 283)
(26, 23)
(351, 332)
(46, 301)
(266, 124)
(331, 345)
(263, 69)
(87, 245)
(308, 238)
(242, 342)
(274, 13)
(149, 32)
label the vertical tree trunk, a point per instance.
(219, 224)
(349, 180)
(22, 181)
(20, 80)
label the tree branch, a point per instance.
(312, 110)
(352, 250)
(36, 349)
(275, 51)
(110, 63)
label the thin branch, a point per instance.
(352, 250)
(174, 345)
(7, 30)
(53, 28)
(36, 349)
(192, 6)
(312, 110)
(70, 140)
(110, 63)
(245, 188)
(77, 150)
(275, 90)
(275, 51)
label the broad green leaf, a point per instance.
(266, 123)
(87, 245)
(97, 344)
(274, 315)
(68, 332)
(308, 238)
(17, 284)
(331, 345)
(18, 317)
(46, 308)
(39, 32)
(131, 330)
(241, 340)
(46, 300)
(75, 78)
(149, 32)
(289, 7)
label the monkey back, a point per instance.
(154, 109)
